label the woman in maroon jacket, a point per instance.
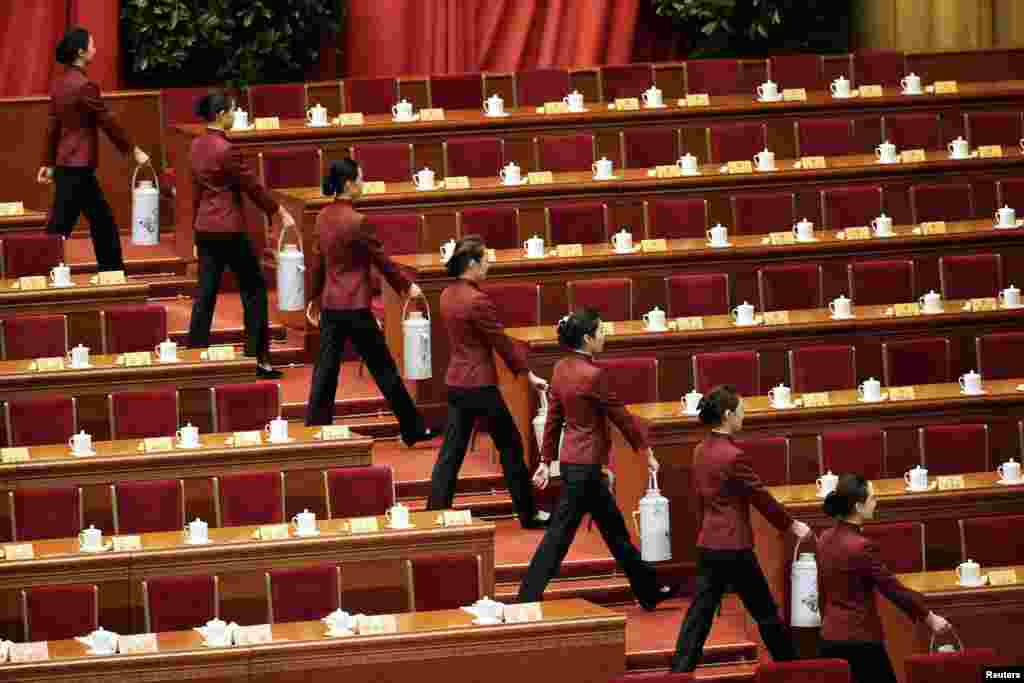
(581, 406)
(220, 177)
(77, 112)
(726, 487)
(849, 572)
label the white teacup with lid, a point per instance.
(911, 84)
(916, 479)
(718, 236)
(423, 179)
(488, 611)
(826, 483)
(840, 307)
(886, 153)
(768, 91)
(91, 539)
(959, 148)
(240, 119)
(277, 430)
(81, 443)
(654, 320)
(79, 356)
(494, 106)
(602, 169)
(167, 351)
(60, 275)
(765, 160)
(931, 302)
(743, 314)
(197, 532)
(622, 241)
(534, 247)
(804, 231)
(970, 383)
(217, 633)
(316, 115)
(1010, 297)
(870, 390)
(652, 97)
(511, 174)
(969, 573)
(397, 516)
(691, 401)
(402, 111)
(574, 100)
(1009, 472)
(339, 620)
(688, 164)
(104, 642)
(1006, 217)
(840, 87)
(305, 523)
(188, 436)
(882, 226)
(780, 396)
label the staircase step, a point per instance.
(608, 591)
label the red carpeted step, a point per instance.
(159, 258)
(605, 590)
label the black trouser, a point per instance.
(234, 251)
(869, 662)
(79, 192)
(585, 490)
(465, 406)
(337, 326)
(717, 569)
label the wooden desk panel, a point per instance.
(190, 375)
(236, 556)
(648, 271)
(674, 437)
(81, 303)
(573, 640)
(30, 221)
(990, 616)
(674, 349)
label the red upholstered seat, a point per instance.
(878, 67)
(924, 360)
(577, 223)
(699, 294)
(825, 137)
(520, 302)
(654, 677)
(992, 540)
(942, 202)
(34, 336)
(633, 379)
(473, 157)
(992, 127)
(761, 213)
(735, 141)
(283, 100)
(742, 369)
(769, 456)
(31, 254)
(625, 80)
(796, 71)
(143, 414)
(370, 95)
(144, 506)
(947, 667)
(822, 368)
(456, 91)
(40, 421)
(563, 153)
(900, 544)
(954, 449)
(133, 327)
(537, 86)
(971, 276)
(60, 612)
(497, 225)
(291, 167)
(913, 131)
(45, 512)
(359, 491)
(646, 147)
(399, 232)
(389, 162)
(611, 297)
(789, 287)
(881, 282)
(714, 77)
(859, 450)
(1010, 192)
(804, 671)
(998, 355)
(676, 218)
(245, 406)
(443, 582)
(844, 207)
(179, 603)
(249, 498)
(303, 593)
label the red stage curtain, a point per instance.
(394, 37)
(103, 19)
(29, 32)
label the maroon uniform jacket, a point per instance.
(726, 486)
(219, 177)
(348, 247)
(77, 112)
(849, 571)
(581, 404)
(474, 333)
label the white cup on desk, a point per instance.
(305, 523)
(652, 97)
(970, 383)
(882, 226)
(104, 642)
(804, 231)
(197, 532)
(79, 356)
(690, 402)
(397, 516)
(768, 91)
(688, 164)
(780, 396)
(316, 115)
(240, 119)
(402, 111)
(1009, 471)
(1006, 217)
(423, 179)
(602, 169)
(447, 249)
(840, 307)
(277, 430)
(511, 174)
(654, 320)
(188, 436)
(217, 634)
(959, 149)
(743, 314)
(911, 84)
(916, 479)
(534, 247)
(1010, 297)
(886, 153)
(931, 302)
(826, 484)
(81, 443)
(718, 236)
(870, 390)
(840, 87)
(622, 241)
(91, 539)
(60, 275)
(494, 106)
(167, 351)
(765, 160)
(574, 100)
(969, 573)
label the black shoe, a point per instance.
(664, 593)
(268, 372)
(425, 435)
(538, 522)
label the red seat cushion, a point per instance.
(676, 218)
(143, 414)
(245, 406)
(741, 369)
(40, 421)
(537, 86)
(444, 582)
(612, 298)
(61, 612)
(148, 506)
(700, 294)
(359, 491)
(179, 603)
(303, 593)
(577, 223)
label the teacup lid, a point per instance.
(603, 159)
(656, 309)
(781, 385)
(744, 304)
(486, 601)
(216, 622)
(694, 392)
(806, 557)
(969, 562)
(305, 511)
(197, 521)
(841, 78)
(291, 247)
(415, 315)
(719, 225)
(871, 379)
(92, 528)
(911, 74)
(188, 424)
(535, 237)
(841, 297)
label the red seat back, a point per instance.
(625, 80)
(457, 91)
(133, 328)
(146, 506)
(34, 336)
(825, 137)
(534, 87)
(699, 294)
(143, 414)
(473, 157)
(359, 491)
(676, 218)
(790, 287)
(520, 302)
(992, 540)
(31, 254)
(715, 77)
(971, 276)
(577, 223)
(736, 141)
(901, 545)
(245, 406)
(283, 100)
(925, 360)
(646, 147)
(858, 450)
(998, 355)
(878, 67)
(370, 95)
(796, 71)
(992, 127)
(761, 213)
(955, 449)
(292, 167)
(632, 379)
(497, 225)
(874, 283)
(769, 456)
(443, 582)
(303, 593)
(250, 498)
(913, 131)
(844, 207)
(40, 421)
(60, 612)
(389, 162)
(942, 202)
(46, 512)
(822, 368)
(179, 603)
(612, 298)
(564, 153)
(741, 369)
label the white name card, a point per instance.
(158, 444)
(253, 635)
(375, 187)
(49, 364)
(29, 652)
(127, 543)
(363, 525)
(31, 282)
(794, 94)
(456, 518)
(18, 551)
(253, 438)
(137, 644)
(351, 119)
(219, 353)
(335, 432)
(273, 532)
(13, 455)
(434, 114)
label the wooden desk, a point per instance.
(234, 555)
(675, 349)
(81, 303)
(990, 616)
(29, 221)
(648, 271)
(573, 640)
(190, 374)
(674, 436)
